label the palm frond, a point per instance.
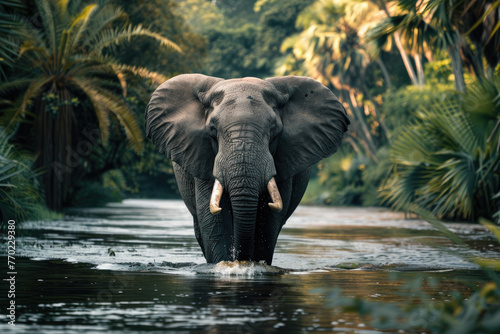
(46, 11)
(10, 31)
(33, 91)
(114, 37)
(440, 163)
(142, 72)
(106, 103)
(67, 52)
(102, 19)
(79, 25)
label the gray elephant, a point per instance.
(242, 151)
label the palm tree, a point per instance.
(478, 21)
(331, 49)
(445, 163)
(446, 24)
(408, 41)
(64, 66)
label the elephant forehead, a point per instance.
(243, 85)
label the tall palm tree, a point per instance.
(331, 48)
(479, 22)
(64, 61)
(445, 24)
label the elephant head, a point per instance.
(245, 135)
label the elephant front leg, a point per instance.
(216, 231)
(186, 186)
(269, 223)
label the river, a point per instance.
(136, 266)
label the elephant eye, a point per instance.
(212, 131)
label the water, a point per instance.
(136, 266)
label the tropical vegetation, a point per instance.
(69, 92)
(441, 139)
(419, 80)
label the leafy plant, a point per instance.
(64, 58)
(444, 162)
(20, 198)
(401, 106)
(348, 179)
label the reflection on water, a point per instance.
(158, 279)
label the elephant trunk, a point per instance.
(243, 169)
(244, 203)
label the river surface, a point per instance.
(135, 266)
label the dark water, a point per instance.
(157, 280)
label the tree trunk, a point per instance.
(406, 59)
(420, 70)
(399, 45)
(385, 73)
(55, 156)
(458, 70)
(353, 144)
(370, 144)
(476, 59)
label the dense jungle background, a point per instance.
(419, 79)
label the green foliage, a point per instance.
(161, 16)
(482, 104)
(9, 32)
(67, 79)
(444, 161)
(94, 194)
(331, 48)
(230, 53)
(401, 106)
(111, 187)
(277, 22)
(201, 15)
(241, 42)
(439, 72)
(348, 179)
(20, 197)
(148, 175)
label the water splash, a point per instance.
(245, 268)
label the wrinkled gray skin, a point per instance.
(243, 132)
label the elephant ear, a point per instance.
(314, 122)
(175, 122)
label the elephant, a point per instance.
(242, 151)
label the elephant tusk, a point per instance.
(277, 204)
(215, 198)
